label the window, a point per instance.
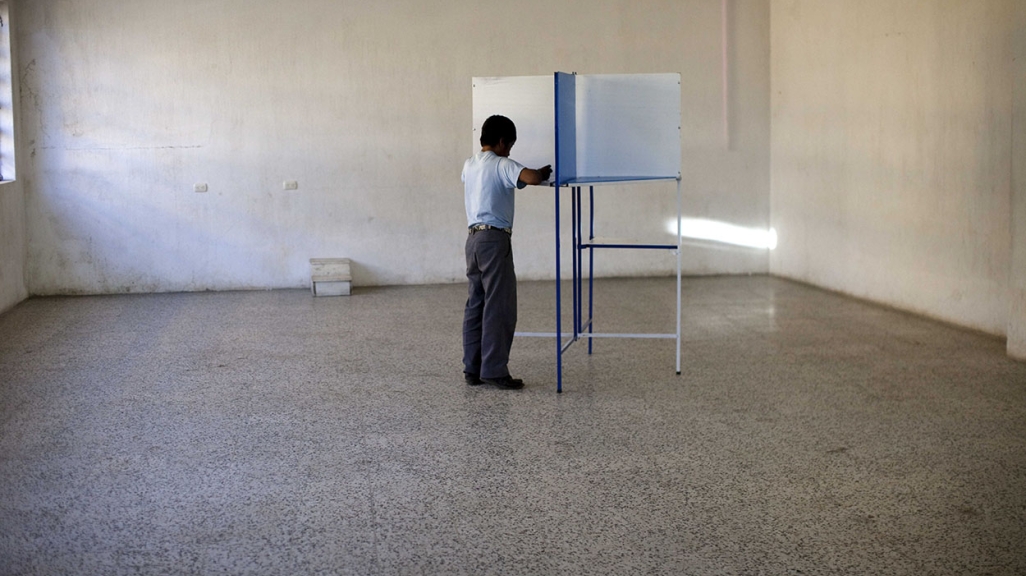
(7, 171)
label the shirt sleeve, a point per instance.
(509, 170)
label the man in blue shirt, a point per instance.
(490, 179)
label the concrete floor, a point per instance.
(276, 433)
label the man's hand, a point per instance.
(533, 177)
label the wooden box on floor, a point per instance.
(330, 277)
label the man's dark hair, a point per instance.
(497, 128)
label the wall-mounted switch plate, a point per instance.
(199, 188)
(290, 185)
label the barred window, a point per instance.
(7, 170)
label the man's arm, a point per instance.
(532, 177)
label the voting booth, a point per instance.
(594, 130)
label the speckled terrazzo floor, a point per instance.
(275, 433)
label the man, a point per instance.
(490, 179)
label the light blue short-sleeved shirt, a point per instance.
(489, 182)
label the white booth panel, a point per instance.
(528, 102)
(621, 126)
(628, 125)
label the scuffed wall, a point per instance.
(13, 288)
(12, 245)
(128, 104)
(891, 152)
(1017, 277)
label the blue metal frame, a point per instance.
(591, 265)
(565, 175)
(580, 325)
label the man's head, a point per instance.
(498, 133)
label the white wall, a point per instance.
(12, 245)
(13, 288)
(129, 103)
(892, 152)
(1017, 278)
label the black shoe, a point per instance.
(472, 379)
(507, 382)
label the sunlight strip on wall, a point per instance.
(723, 232)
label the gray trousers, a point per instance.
(490, 317)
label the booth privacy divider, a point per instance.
(594, 130)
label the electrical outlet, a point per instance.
(290, 185)
(199, 188)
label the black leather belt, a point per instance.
(479, 227)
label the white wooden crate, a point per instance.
(330, 277)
